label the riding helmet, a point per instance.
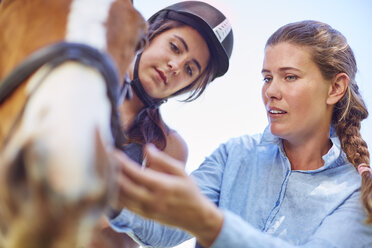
(210, 23)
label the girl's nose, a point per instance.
(175, 65)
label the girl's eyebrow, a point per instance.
(197, 65)
(187, 49)
(183, 42)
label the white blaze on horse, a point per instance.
(58, 124)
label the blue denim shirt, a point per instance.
(266, 204)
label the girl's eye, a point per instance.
(174, 48)
(189, 70)
(291, 78)
(267, 79)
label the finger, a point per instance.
(147, 178)
(138, 199)
(132, 196)
(131, 190)
(161, 161)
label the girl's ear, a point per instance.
(338, 88)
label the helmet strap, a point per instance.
(147, 100)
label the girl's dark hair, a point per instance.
(148, 126)
(332, 54)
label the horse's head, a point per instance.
(56, 128)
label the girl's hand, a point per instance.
(165, 193)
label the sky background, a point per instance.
(232, 106)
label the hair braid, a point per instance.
(347, 127)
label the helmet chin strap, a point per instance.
(136, 84)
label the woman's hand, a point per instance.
(165, 193)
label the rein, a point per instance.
(58, 53)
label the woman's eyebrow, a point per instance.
(281, 69)
(289, 68)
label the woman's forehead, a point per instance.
(287, 53)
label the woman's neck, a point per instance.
(307, 155)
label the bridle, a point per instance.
(58, 53)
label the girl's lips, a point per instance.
(162, 75)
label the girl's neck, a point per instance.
(307, 155)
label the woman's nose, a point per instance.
(272, 89)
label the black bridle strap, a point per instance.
(55, 55)
(59, 53)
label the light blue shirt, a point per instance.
(266, 204)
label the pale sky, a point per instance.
(232, 106)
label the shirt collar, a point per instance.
(334, 157)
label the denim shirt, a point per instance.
(266, 204)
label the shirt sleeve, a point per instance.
(344, 228)
(210, 173)
(146, 232)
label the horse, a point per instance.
(62, 64)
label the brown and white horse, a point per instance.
(56, 127)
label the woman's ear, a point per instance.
(338, 88)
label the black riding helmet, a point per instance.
(210, 23)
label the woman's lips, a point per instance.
(275, 112)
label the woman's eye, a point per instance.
(291, 78)
(174, 48)
(267, 79)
